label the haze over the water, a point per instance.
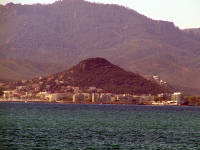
(184, 13)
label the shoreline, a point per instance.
(86, 103)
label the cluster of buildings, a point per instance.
(158, 80)
(92, 96)
(55, 90)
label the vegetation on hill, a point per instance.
(192, 100)
(95, 73)
(71, 30)
(1, 92)
(98, 72)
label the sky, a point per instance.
(184, 13)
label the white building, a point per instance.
(55, 96)
(8, 94)
(177, 97)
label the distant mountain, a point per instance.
(12, 69)
(194, 32)
(68, 31)
(99, 73)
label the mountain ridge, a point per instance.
(69, 31)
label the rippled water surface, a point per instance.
(97, 127)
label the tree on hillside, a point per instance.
(1, 92)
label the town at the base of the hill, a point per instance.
(90, 95)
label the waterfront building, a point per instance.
(177, 97)
(95, 97)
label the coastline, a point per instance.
(86, 103)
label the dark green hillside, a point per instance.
(95, 72)
(100, 73)
(71, 30)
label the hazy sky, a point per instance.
(184, 13)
